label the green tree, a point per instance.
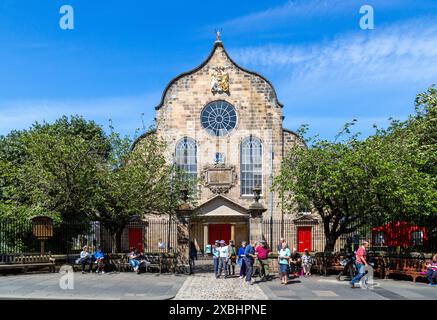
(52, 166)
(135, 182)
(390, 175)
(330, 178)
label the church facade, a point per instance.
(223, 125)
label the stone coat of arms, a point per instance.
(219, 80)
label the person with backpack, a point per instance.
(232, 261)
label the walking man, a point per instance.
(361, 263)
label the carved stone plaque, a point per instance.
(219, 178)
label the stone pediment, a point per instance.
(305, 218)
(220, 206)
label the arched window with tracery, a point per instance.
(186, 156)
(250, 165)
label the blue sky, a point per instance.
(121, 55)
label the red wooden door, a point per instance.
(136, 238)
(304, 238)
(219, 232)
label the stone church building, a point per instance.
(223, 125)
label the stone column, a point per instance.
(233, 232)
(255, 228)
(183, 215)
(256, 211)
(205, 235)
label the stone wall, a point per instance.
(259, 114)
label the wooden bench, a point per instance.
(325, 263)
(25, 261)
(412, 267)
(331, 262)
(149, 261)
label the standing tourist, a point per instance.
(232, 257)
(361, 263)
(223, 259)
(193, 255)
(295, 262)
(283, 259)
(241, 260)
(307, 262)
(431, 274)
(249, 256)
(262, 254)
(279, 247)
(216, 256)
(86, 258)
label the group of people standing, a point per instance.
(253, 256)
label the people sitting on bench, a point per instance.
(135, 259)
(431, 273)
(100, 260)
(86, 258)
(295, 263)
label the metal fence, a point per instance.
(150, 235)
(309, 234)
(160, 235)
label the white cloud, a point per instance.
(399, 52)
(294, 10)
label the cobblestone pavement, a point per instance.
(204, 286)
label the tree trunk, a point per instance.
(330, 235)
(117, 241)
(330, 243)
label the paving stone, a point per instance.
(207, 287)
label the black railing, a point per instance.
(309, 234)
(150, 235)
(156, 235)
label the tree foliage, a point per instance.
(349, 182)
